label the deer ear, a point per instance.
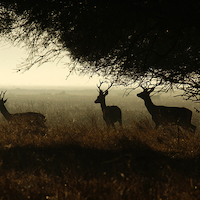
(5, 101)
(106, 93)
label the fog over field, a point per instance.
(62, 105)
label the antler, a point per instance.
(106, 91)
(100, 83)
(3, 94)
(109, 87)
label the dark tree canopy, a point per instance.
(128, 40)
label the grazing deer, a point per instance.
(111, 114)
(31, 120)
(163, 115)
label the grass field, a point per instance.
(79, 158)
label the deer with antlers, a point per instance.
(111, 114)
(29, 120)
(163, 115)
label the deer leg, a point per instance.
(120, 122)
(108, 124)
(156, 127)
(192, 128)
(113, 125)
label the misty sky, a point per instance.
(49, 74)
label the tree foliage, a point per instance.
(128, 40)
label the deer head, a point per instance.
(146, 92)
(102, 93)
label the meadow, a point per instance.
(79, 158)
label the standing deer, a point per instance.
(111, 114)
(163, 115)
(31, 120)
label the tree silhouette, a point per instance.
(128, 40)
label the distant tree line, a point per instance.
(128, 40)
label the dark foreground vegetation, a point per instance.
(80, 159)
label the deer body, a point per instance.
(163, 115)
(26, 120)
(111, 114)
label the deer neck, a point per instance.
(149, 105)
(103, 105)
(5, 113)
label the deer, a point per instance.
(111, 114)
(164, 116)
(28, 120)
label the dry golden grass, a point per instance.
(79, 158)
(75, 161)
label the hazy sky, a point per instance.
(49, 74)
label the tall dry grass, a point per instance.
(79, 158)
